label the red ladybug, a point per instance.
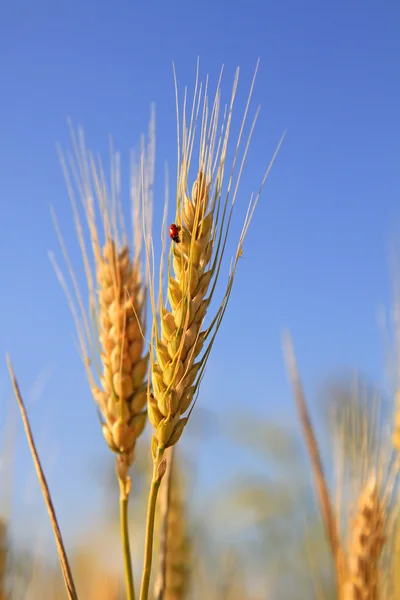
(174, 233)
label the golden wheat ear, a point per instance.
(112, 325)
(181, 341)
(366, 543)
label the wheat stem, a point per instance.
(65, 568)
(164, 504)
(164, 501)
(148, 552)
(123, 507)
(158, 473)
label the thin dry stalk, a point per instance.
(328, 515)
(181, 343)
(366, 543)
(65, 567)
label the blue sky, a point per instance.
(316, 258)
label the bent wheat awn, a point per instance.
(64, 563)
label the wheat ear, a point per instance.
(181, 343)
(111, 332)
(366, 543)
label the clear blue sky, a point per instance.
(316, 258)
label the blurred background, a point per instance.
(320, 259)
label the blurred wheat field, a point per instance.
(321, 522)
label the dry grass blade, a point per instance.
(66, 570)
(324, 499)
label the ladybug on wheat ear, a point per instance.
(174, 233)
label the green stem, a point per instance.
(151, 513)
(123, 506)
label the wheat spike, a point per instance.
(122, 395)
(181, 343)
(111, 332)
(203, 219)
(174, 371)
(366, 543)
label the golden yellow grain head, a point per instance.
(366, 543)
(111, 332)
(181, 339)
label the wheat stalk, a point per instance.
(163, 511)
(111, 332)
(181, 342)
(365, 546)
